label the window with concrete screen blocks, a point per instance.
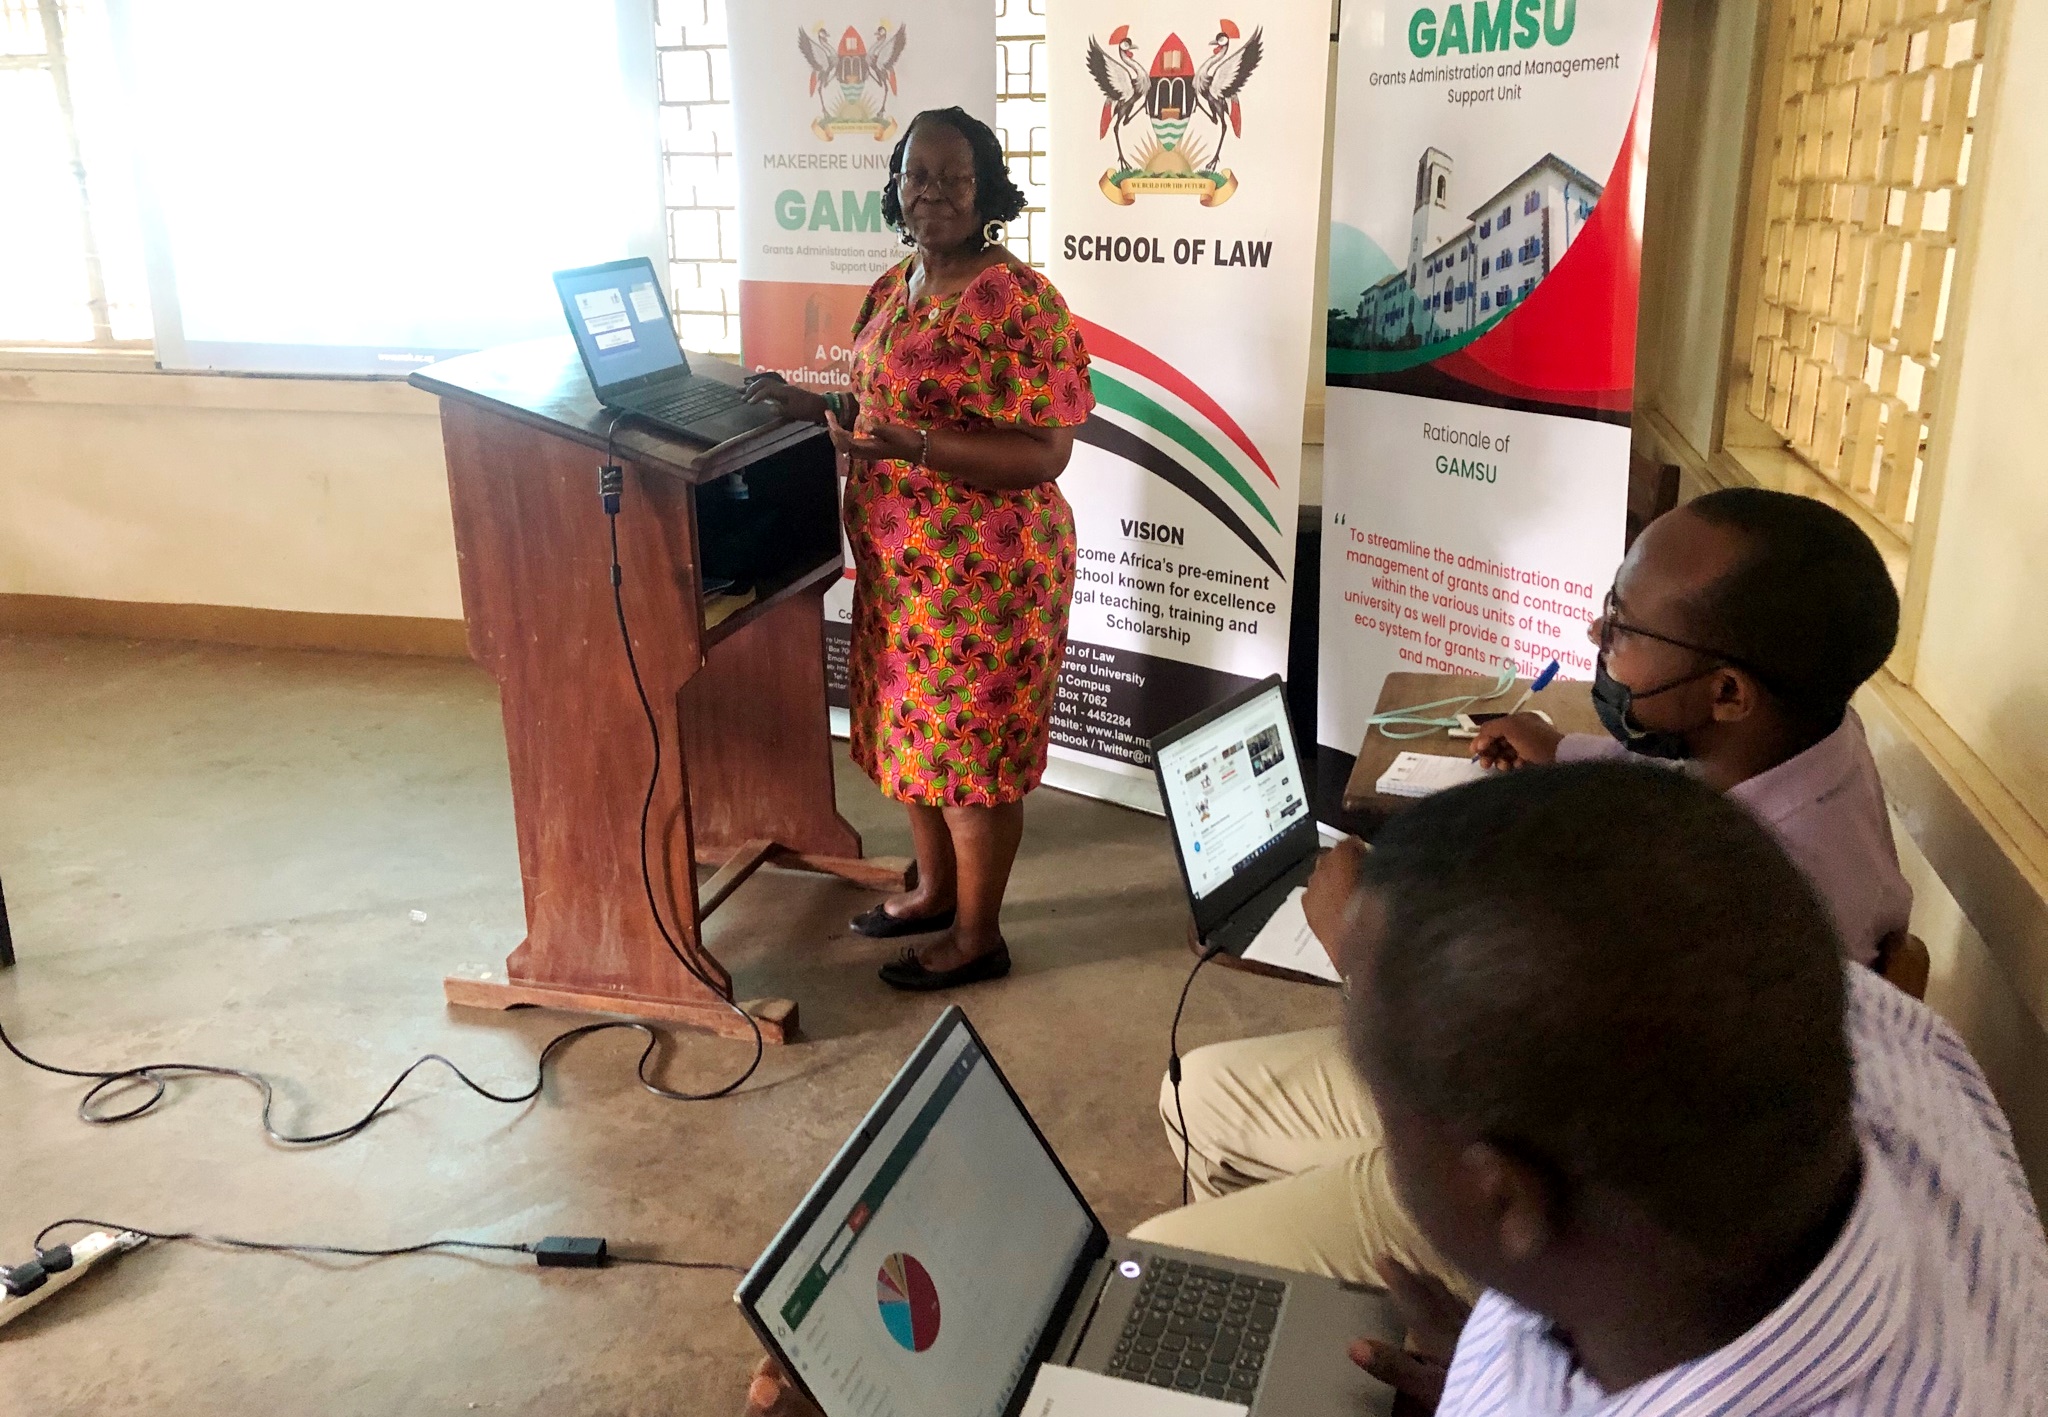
(1868, 143)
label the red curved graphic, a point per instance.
(1114, 347)
(1573, 340)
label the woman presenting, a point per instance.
(968, 378)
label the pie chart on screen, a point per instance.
(910, 1303)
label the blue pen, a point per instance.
(1542, 683)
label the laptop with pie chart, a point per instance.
(946, 1254)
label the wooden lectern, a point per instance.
(736, 680)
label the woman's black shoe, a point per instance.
(905, 972)
(879, 924)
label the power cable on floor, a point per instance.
(555, 1251)
(154, 1076)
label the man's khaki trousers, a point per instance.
(1287, 1162)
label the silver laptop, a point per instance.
(635, 363)
(945, 1255)
(1237, 798)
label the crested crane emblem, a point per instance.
(852, 80)
(1169, 123)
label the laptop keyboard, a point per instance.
(697, 399)
(1199, 1329)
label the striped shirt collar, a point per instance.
(1827, 1336)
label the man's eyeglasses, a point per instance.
(1612, 624)
(951, 184)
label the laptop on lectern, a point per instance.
(946, 1255)
(635, 363)
(1237, 797)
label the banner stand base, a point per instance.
(1140, 794)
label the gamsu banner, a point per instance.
(1485, 247)
(821, 95)
(1186, 158)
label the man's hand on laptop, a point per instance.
(1519, 740)
(773, 1394)
(1327, 901)
(1434, 1315)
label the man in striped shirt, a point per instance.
(1698, 1164)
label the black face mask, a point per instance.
(1614, 701)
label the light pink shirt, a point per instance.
(1827, 807)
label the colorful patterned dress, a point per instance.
(960, 595)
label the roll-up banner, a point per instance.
(1186, 162)
(821, 95)
(1485, 240)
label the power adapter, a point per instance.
(570, 1252)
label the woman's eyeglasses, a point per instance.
(950, 184)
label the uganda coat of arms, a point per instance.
(1169, 124)
(854, 81)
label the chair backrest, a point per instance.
(1902, 959)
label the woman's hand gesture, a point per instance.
(883, 442)
(788, 400)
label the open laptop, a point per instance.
(635, 363)
(945, 1255)
(1237, 798)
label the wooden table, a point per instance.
(1569, 704)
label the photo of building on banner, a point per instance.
(1485, 248)
(1185, 170)
(821, 96)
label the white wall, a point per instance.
(1983, 661)
(1969, 988)
(281, 494)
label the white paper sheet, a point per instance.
(1287, 941)
(1069, 1392)
(1420, 774)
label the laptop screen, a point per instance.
(1234, 790)
(620, 321)
(923, 1277)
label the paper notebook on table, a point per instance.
(1420, 774)
(1072, 1392)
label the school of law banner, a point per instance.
(1186, 157)
(1485, 240)
(821, 94)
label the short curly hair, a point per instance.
(997, 197)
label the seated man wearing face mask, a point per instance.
(1737, 629)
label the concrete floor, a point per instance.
(212, 854)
